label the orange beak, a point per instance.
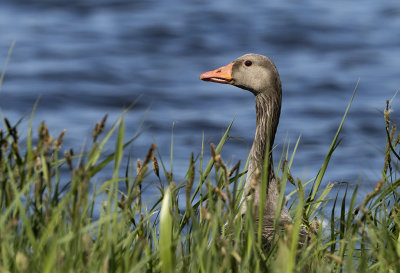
(220, 75)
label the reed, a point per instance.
(62, 223)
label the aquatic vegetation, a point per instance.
(54, 218)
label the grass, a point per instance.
(62, 223)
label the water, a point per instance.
(87, 58)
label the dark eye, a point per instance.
(248, 63)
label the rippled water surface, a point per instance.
(87, 58)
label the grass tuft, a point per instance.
(55, 219)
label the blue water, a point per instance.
(85, 58)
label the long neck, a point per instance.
(268, 110)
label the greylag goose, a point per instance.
(258, 74)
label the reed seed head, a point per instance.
(99, 128)
(149, 154)
(138, 166)
(58, 142)
(156, 168)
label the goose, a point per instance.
(259, 75)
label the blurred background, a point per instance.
(86, 58)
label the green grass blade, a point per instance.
(264, 185)
(119, 148)
(165, 243)
(332, 148)
(172, 149)
(211, 162)
(29, 153)
(95, 153)
(3, 72)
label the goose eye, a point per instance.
(248, 63)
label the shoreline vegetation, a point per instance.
(54, 219)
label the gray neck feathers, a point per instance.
(267, 115)
(268, 107)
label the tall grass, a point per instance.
(62, 223)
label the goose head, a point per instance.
(252, 72)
